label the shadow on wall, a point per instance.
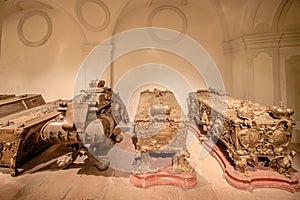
(293, 92)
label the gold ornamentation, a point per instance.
(160, 128)
(248, 130)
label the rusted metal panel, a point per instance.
(10, 104)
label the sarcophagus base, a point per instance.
(164, 177)
(256, 177)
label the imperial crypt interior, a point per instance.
(150, 99)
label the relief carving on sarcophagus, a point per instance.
(255, 137)
(160, 130)
(22, 119)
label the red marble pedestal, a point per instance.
(163, 177)
(257, 177)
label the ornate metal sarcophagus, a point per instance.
(88, 123)
(20, 132)
(160, 128)
(250, 132)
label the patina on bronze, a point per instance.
(10, 103)
(160, 129)
(89, 123)
(250, 132)
(20, 132)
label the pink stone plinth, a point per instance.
(163, 177)
(257, 177)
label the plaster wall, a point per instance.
(252, 43)
(49, 68)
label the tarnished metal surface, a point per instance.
(251, 132)
(160, 127)
(10, 104)
(89, 122)
(20, 135)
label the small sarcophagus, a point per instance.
(250, 132)
(20, 132)
(160, 129)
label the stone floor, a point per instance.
(43, 180)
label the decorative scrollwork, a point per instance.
(249, 130)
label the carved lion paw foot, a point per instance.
(64, 161)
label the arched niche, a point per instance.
(265, 16)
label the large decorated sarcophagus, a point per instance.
(160, 129)
(250, 131)
(20, 138)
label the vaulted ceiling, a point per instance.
(236, 17)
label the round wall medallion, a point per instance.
(86, 11)
(35, 28)
(170, 17)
